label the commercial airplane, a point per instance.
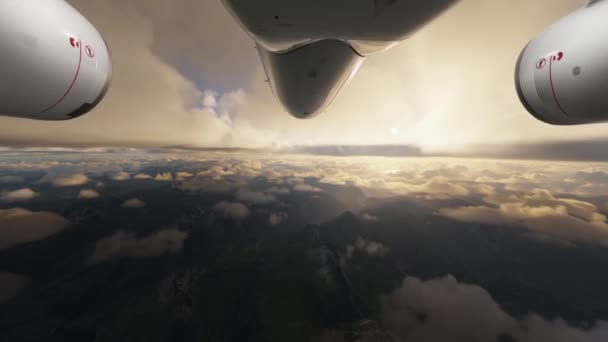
(56, 66)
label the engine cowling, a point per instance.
(562, 75)
(311, 48)
(54, 65)
(306, 80)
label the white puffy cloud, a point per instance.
(164, 177)
(121, 176)
(234, 210)
(142, 176)
(88, 194)
(127, 245)
(11, 284)
(19, 226)
(20, 195)
(133, 203)
(183, 175)
(72, 180)
(446, 310)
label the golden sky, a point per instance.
(186, 74)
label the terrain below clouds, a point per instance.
(212, 245)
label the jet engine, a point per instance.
(562, 76)
(311, 48)
(55, 65)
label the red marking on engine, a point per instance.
(77, 44)
(90, 51)
(558, 57)
(74, 42)
(551, 82)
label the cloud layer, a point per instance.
(555, 202)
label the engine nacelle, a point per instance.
(306, 80)
(311, 48)
(54, 65)
(562, 75)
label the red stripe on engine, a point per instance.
(73, 81)
(553, 87)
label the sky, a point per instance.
(186, 74)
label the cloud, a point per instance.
(11, 179)
(369, 218)
(121, 176)
(88, 194)
(446, 310)
(210, 184)
(254, 197)
(183, 175)
(306, 188)
(73, 180)
(142, 176)
(370, 248)
(540, 212)
(219, 170)
(21, 195)
(164, 177)
(11, 284)
(19, 226)
(234, 210)
(276, 219)
(127, 245)
(134, 203)
(439, 188)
